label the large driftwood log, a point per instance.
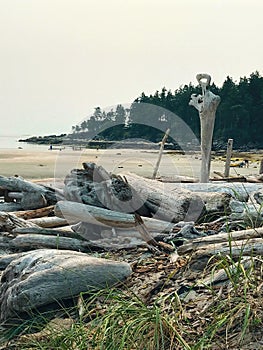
(171, 201)
(94, 186)
(203, 242)
(33, 196)
(43, 277)
(73, 211)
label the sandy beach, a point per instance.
(55, 164)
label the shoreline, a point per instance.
(45, 164)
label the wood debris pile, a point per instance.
(167, 232)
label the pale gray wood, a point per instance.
(202, 242)
(167, 201)
(44, 276)
(73, 211)
(228, 157)
(160, 153)
(206, 104)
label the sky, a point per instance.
(59, 59)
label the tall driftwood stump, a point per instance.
(206, 104)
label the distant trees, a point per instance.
(239, 115)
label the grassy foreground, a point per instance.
(205, 312)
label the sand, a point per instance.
(55, 164)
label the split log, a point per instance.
(167, 201)
(37, 213)
(40, 278)
(171, 201)
(8, 222)
(73, 211)
(203, 242)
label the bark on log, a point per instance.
(73, 211)
(203, 242)
(43, 277)
(37, 213)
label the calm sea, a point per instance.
(11, 142)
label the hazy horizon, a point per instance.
(62, 58)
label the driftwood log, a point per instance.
(27, 194)
(173, 202)
(73, 211)
(203, 242)
(37, 213)
(39, 278)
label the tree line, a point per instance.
(239, 115)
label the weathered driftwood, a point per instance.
(206, 104)
(73, 211)
(37, 213)
(171, 201)
(167, 201)
(43, 277)
(160, 153)
(46, 231)
(94, 187)
(10, 206)
(8, 222)
(251, 247)
(52, 221)
(203, 242)
(32, 195)
(239, 191)
(24, 242)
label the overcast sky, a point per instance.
(62, 58)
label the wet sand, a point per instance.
(55, 164)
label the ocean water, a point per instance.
(11, 142)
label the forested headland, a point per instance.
(239, 115)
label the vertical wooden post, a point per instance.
(228, 157)
(206, 104)
(160, 153)
(261, 167)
